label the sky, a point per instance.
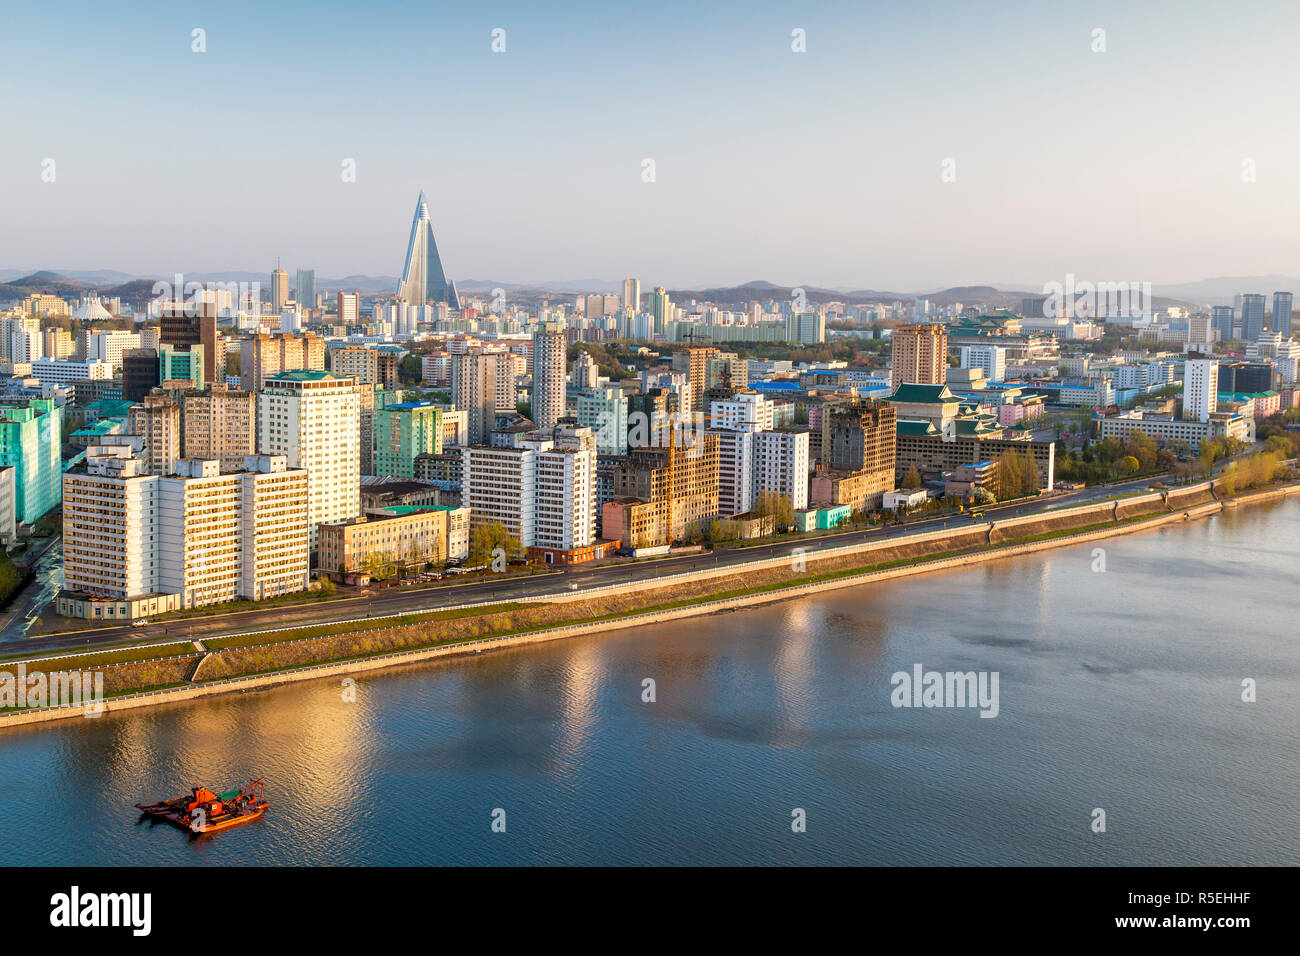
(824, 167)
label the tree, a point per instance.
(912, 480)
(411, 370)
(380, 565)
(1130, 464)
(415, 556)
(777, 505)
(484, 540)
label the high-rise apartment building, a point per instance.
(1221, 319)
(549, 373)
(694, 361)
(279, 290)
(858, 455)
(781, 465)
(1252, 316)
(662, 494)
(313, 419)
(349, 307)
(357, 361)
(1282, 313)
(186, 324)
(1200, 332)
(1200, 389)
(991, 359)
(509, 367)
(137, 544)
(217, 425)
(156, 418)
(920, 355)
(660, 307)
(263, 356)
(604, 411)
(305, 290)
(542, 490)
(632, 294)
(401, 432)
(181, 365)
(474, 391)
(31, 436)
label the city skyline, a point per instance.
(527, 148)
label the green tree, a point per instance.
(912, 480)
(484, 540)
(380, 565)
(411, 370)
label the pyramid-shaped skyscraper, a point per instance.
(423, 279)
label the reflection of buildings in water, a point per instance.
(583, 675)
(792, 662)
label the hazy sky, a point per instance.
(820, 168)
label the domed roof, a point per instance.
(92, 308)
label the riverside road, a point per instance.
(578, 578)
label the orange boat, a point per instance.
(203, 811)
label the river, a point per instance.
(1119, 690)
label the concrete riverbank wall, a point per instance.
(218, 672)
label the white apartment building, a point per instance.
(585, 374)
(138, 544)
(198, 530)
(500, 484)
(313, 418)
(276, 536)
(543, 491)
(991, 358)
(566, 491)
(509, 368)
(109, 346)
(436, 369)
(749, 411)
(50, 371)
(1200, 389)
(781, 465)
(25, 345)
(735, 471)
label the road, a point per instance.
(583, 576)
(28, 604)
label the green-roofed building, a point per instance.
(92, 432)
(106, 408)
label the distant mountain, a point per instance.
(552, 286)
(72, 283)
(51, 283)
(1223, 290)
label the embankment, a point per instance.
(252, 661)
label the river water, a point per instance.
(1119, 690)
